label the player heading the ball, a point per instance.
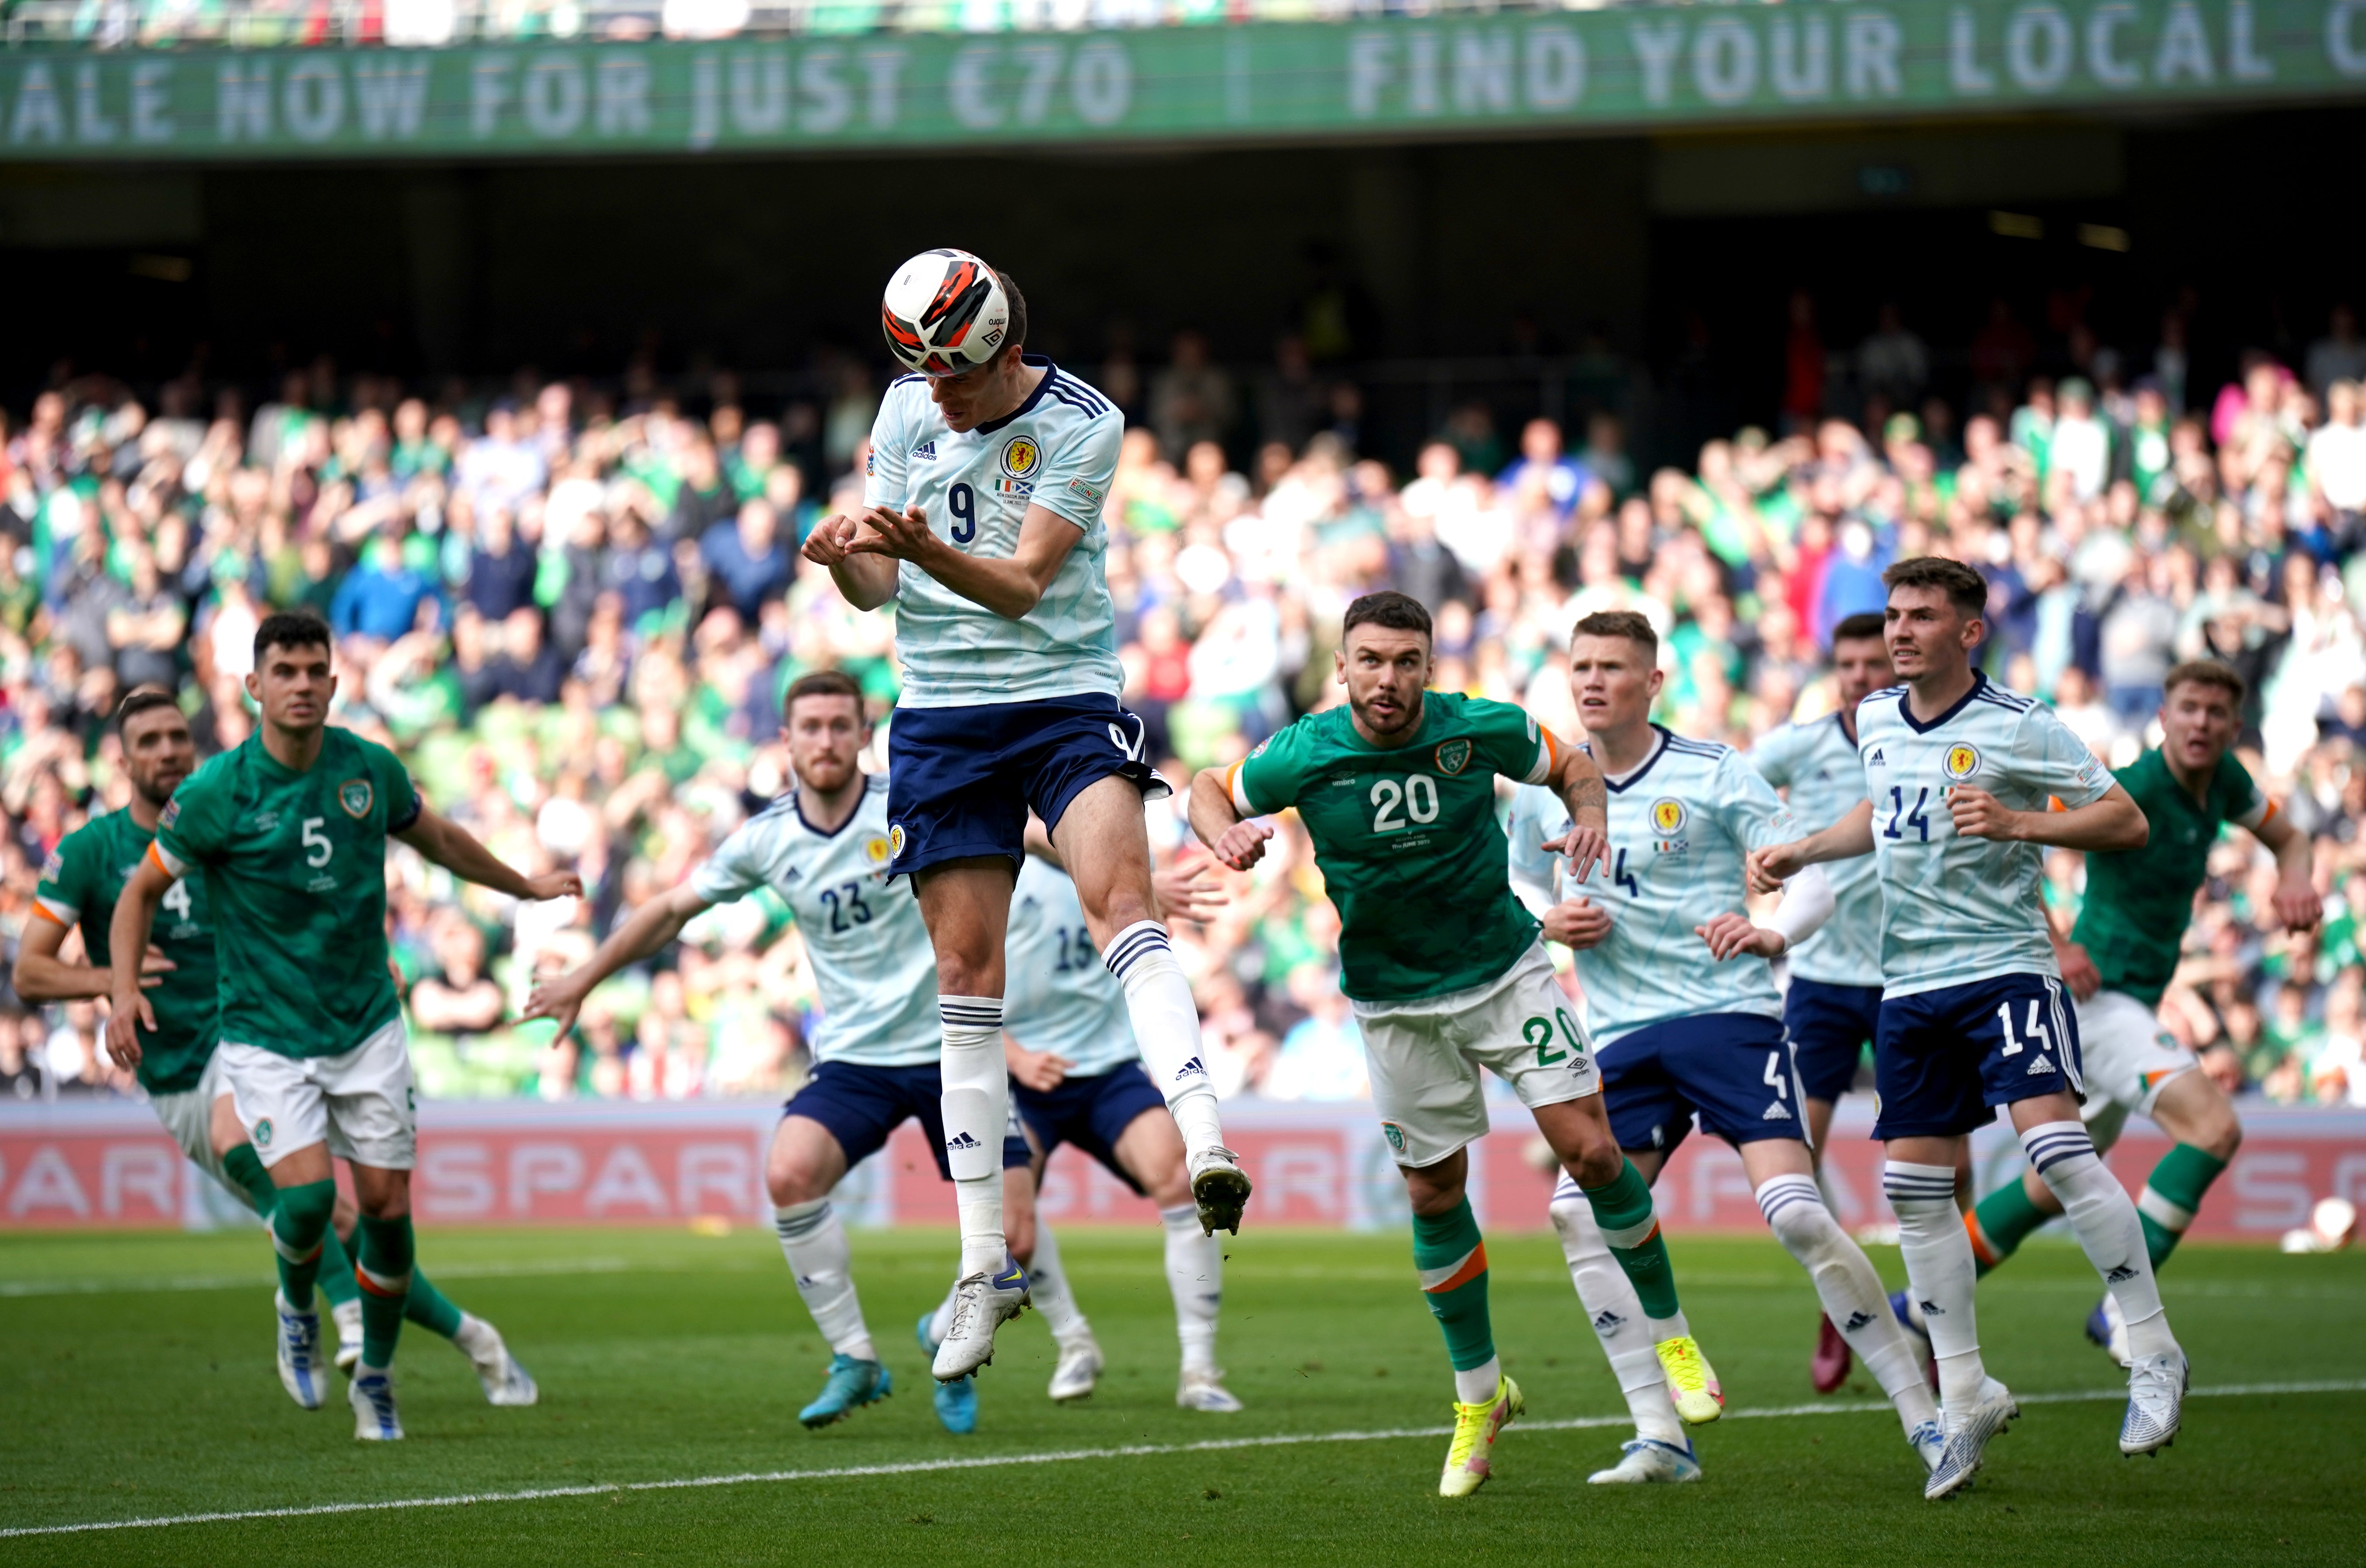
(982, 524)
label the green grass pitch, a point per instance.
(136, 1382)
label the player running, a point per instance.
(1397, 789)
(823, 849)
(178, 1065)
(1077, 1078)
(1681, 1002)
(1833, 1003)
(291, 829)
(2121, 955)
(987, 472)
(1959, 773)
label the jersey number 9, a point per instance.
(962, 501)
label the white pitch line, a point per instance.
(1067, 1456)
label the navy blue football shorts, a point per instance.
(1734, 1069)
(1946, 1059)
(860, 1106)
(1830, 1027)
(1091, 1113)
(961, 780)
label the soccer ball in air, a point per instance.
(944, 313)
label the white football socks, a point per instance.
(1850, 1290)
(1939, 1271)
(977, 1106)
(814, 1244)
(1047, 1287)
(1195, 1276)
(1167, 1029)
(1610, 1301)
(2104, 1217)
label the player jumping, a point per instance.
(178, 1064)
(1973, 1016)
(2121, 955)
(291, 829)
(1833, 1005)
(982, 523)
(1680, 998)
(1397, 789)
(823, 848)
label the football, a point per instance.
(944, 312)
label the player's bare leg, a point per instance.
(966, 904)
(1104, 846)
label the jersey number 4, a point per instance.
(176, 898)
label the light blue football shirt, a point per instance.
(1056, 450)
(1057, 995)
(873, 965)
(1819, 765)
(1679, 827)
(1958, 910)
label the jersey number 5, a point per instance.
(317, 847)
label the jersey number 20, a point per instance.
(1417, 797)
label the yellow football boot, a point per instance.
(1475, 1426)
(1692, 1383)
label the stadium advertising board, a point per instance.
(108, 1165)
(1627, 68)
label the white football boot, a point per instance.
(981, 1303)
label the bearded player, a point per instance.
(1397, 789)
(981, 525)
(178, 1065)
(2121, 955)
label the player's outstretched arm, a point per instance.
(40, 975)
(127, 939)
(1238, 842)
(643, 935)
(1808, 902)
(1011, 587)
(456, 849)
(2297, 904)
(865, 581)
(2113, 822)
(1846, 839)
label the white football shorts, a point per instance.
(2128, 1057)
(362, 1104)
(189, 1117)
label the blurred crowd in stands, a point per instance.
(573, 610)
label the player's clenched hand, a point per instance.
(903, 535)
(1039, 1070)
(1242, 844)
(1577, 923)
(1184, 888)
(1586, 848)
(560, 999)
(2078, 970)
(1730, 936)
(1979, 814)
(827, 544)
(554, 885)
(154, 967)
(1770, 868)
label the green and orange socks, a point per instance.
(1451, 1258)
(299, 1219)
(2000, 1223)
(385, 1273)
(1629, 1222)
(2171, 1194)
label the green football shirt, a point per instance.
(1407, 839)
(2139, 901)
(294, 872)
(79, 885)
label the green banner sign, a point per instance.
(1583, 71)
